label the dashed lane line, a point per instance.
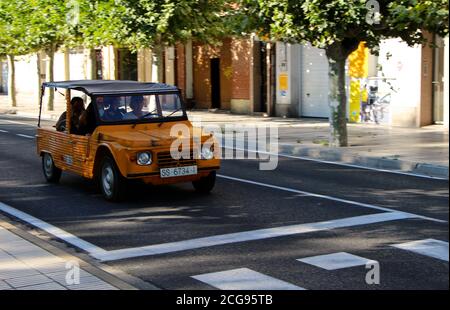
(25, 136)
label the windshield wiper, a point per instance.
(144, 116)
(149, 113)
(173, 112)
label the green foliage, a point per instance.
(151, 22)
(327, 22)
(28, 25)
(13, 27)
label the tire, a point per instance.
(205, 184)
(110, 180)
(51, 173)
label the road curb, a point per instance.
(340, 156)
(47, 117)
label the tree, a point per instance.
(148, 23)
(153, 23)
(338, 26)
(47, 30)
(31, 25)
(48, 25)
(12, 28)
(158, 23)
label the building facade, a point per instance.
(248, 76)
(413, 79)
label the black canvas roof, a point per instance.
(105, 87)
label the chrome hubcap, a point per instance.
(108, 180)
(48, 165)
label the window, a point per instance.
(143, 107)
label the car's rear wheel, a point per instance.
(111, 181)
(205, 184)
(51, 172)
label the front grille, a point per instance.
(165, 160)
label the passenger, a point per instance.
(87, 120)
(136, 105)
(77, 106)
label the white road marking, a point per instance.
(252, 235)
(339, 163)
(292, 190)
(25, 136)
(428, 247)
(244, 279)
(203, 242)
(335, 261)
(55, 231)
(196, 243)
(16, 122)
(4, 131)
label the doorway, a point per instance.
(127, 65)
(98, 64)
(260, 77)
(314, 82)
(3, 77)
(215, 83)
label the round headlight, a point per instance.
(144, 158)
(207, 153)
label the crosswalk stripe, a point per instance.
(428, 247)
(335, 261)
(244, 279)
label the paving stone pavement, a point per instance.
(26, 266)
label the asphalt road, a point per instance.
(264, 221)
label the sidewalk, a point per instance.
(421, 151)
(25, 265)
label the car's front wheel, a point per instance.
(111, 181)
(51, 172)
(205, 184)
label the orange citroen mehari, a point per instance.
(126, 132)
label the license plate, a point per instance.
(177, 171)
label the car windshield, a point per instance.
(139, 107)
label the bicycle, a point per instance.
(375, 108)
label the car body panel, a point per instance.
(78, 154)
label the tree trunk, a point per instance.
(49, 76)
(337, 99)
(11, 81)
(38, 72)
(66, 64)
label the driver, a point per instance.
(136, 105)
(113, 113)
